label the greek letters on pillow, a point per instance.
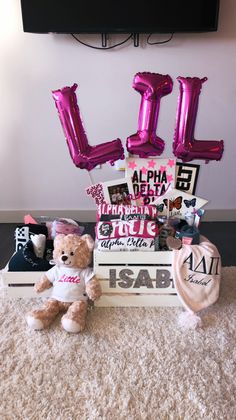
(120, 228)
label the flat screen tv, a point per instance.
(119, 16)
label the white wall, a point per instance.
(36, 171)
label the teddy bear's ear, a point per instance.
(58, 239)
(89, 241)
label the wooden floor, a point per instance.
(222, 234)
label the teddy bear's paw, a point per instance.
(34, 323)
(71, 326)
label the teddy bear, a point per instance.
(72, 281)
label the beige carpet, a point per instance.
(131, 364)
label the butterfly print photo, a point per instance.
(189, 203)
(176, 204)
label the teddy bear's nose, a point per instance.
(64, 257)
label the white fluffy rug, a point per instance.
(130, 363)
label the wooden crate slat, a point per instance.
(20, 284)
(135, 290)
(138, 301)
(15, 277)
(25, 292)
(133, 257)
(155, 272)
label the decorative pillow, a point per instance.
(126, 244)
(121, 228)
(26, 260)
(48, 253)
(151, 211)
(39, 242)
(23, 234)
(197, 275)
(65, 227)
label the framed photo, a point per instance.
(119, 191)
(151, 177)
(186, 177)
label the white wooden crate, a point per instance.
(20, 284)
(133, 278)
(127, 278)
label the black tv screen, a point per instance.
(119, 16)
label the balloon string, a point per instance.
(91, 178)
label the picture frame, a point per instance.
(119, 191)
(151, 177)
(186, 177)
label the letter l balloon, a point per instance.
(185, 147)
(83, 155)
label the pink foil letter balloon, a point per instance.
(151, 86)
(185, 147)
(83, 155)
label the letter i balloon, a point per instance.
(152, 87)
(83, 155)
